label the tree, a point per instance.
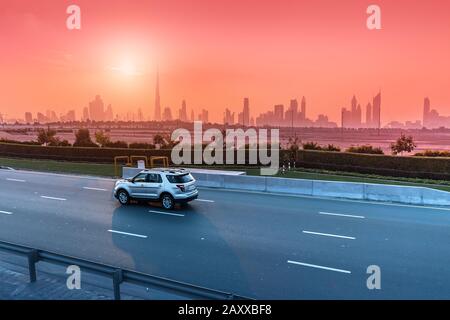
(403, 144)
(83, 139)
(102, 138)
(159, 139)
(46, 136)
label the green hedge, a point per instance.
(100, 155)
(416, 167)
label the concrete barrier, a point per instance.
(209, 180)
(291, 186)
(319, 188)
(391, 193)
(435, 197)
(333, 189)
(250, 183)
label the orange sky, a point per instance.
(215, 52)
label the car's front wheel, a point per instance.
(124, 197)
(167, 201)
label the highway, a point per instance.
(263, 246)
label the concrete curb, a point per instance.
(332, 189)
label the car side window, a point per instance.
(154, 178)
(140, 177)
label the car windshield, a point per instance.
(183, 178)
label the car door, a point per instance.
(137, 187)
(152, 185)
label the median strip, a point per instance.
(328, 235)
(342, 215)
(53, 198)
(167, 213)
(128, 234)
(318, 267)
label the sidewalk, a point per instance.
(51, 284)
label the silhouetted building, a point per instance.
(167, 114)
(228, 117)
(183, 112)
(246, 112)
(432, 119)
(369, 115)
(28, 117)
(85, 114)
(157, 99)
(376, 107)
(96, 109)
(109, 115)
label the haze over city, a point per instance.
(215, 53)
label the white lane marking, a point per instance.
(15, 180)
(128, 234)
(6, 212)
(204, 200)
(95, 189)
(341, 215)
(328, 235)
(317, 266)
(167, 213)
(53, 198)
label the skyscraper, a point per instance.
(278, 112)
(96, 109)
(376, 107)
(369, 115)
(426, 111)
(183, 112)
(246, 112)
(109, 116)
(303, 109)
(167, 115)
(28, 117)
(86, 114)
(157, 100)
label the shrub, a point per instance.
(311, 146)
(317, 147)
(367, 149)
(30, 143)
(332, 147)
(433, 153)
(141, 145)
(83, 139)
(117, 145)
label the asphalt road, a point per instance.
(257, 245)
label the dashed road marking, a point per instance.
(167, 213)
(53, 198)
(128, 234)
(328, 235)
(318, 267)
(341, 215)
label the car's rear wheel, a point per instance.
(167, 201)
(124, 197)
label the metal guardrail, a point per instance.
(117, 275)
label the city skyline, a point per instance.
(212, 54)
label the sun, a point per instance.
(126, 68)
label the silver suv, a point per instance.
(170, 186)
